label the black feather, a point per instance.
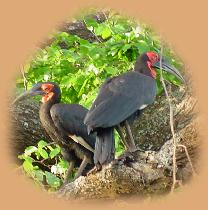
(119, 98)
(104, 147)
(70, 118)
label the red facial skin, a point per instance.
(153, 57)
(47, 88)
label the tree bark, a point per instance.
(146, 173)
(152, 129)
(79, 28)
(27, 128)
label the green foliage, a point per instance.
(80, 67)
(119, 146)
(36, 158)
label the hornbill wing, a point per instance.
(68, 118)
(119, 98)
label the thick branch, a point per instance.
(149, 173)
(27, 129)
(79, 28)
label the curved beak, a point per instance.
(168, 68)
(29, 93)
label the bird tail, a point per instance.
(104, 146)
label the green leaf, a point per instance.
(50, 147)
(90, 22)
(27, 165)
(54, 152)
(29, 150)
(81, 91)
(63, 164)
(111, 70)
(43, 153)
(142, 46)
(42, 144)
(106, 33)
(84, 49)
(84, 42)
(37, 153)
(29, 159)
(67, 80)
(21, 157)
(52, 180)
(71, 59)
(39, 175)
(126, 47)
(103, 30)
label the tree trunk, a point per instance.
(27, 128)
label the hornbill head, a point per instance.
(49, 91)
(152, 60)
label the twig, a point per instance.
(51, 143)
(171, 123)
(175, 144)
(42, 163)
(24, 78)
(189, 159)
(106, 18)
(98, 39)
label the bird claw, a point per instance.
(139, 150)
(95, 170)
(62, 188)
(128, 157)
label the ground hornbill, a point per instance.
(64, 124)
(120, 99)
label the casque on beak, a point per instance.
(168, 68)
(36, 90)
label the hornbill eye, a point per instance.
(156, 58)
(47, 87)
(153, 57)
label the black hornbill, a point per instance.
(120, 100)
(64, 124)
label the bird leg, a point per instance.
(119, 130)
(95, 169)
(69, 171)
(130, 140)
(82, 167)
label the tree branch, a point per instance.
(171, 121)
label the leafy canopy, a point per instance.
(80, 66)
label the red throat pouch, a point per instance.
(152, 70)
(47, 97)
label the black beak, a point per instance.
(168, 68)
(29, 93)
